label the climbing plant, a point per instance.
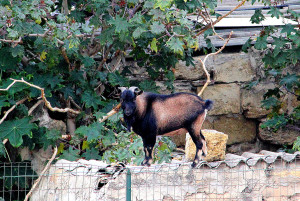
(281, 67)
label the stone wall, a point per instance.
(237, 110)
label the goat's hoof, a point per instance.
(194, 164)
(146, 163)
(204, 153)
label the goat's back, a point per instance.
(173, 110)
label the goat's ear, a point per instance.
(122, 89)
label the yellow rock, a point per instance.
(215, 142)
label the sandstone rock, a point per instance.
(234, 67)
(216, 146)
(226, 98)
(281, 137)
(251, 100)
(190, 72)
(238, 128)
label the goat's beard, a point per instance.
(129, 120)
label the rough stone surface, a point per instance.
(226, 98)
(233, 67)
(238, 128)
(281, 137)
(215, 142)
(251, 100)
(190, 72)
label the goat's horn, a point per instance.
(133, 89)
(122, 88)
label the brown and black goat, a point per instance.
(150, 114)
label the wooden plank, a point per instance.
(239, 37)
(245, 22)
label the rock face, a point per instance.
(226, 98)
(232, 68)
(281, 137)
(216, 146)
(184, 72)
(251, 100)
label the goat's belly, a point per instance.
(176, 132)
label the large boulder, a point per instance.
(215, 142)
(226, 98)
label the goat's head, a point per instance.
(128, 97)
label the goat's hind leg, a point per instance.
(204, 147)
(198, 140)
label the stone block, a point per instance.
(190, 72)
(215, 142)
(281, 137)
(251, 100)
(233, 67)
(226, 98)
(237, 127)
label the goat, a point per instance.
(150, 114)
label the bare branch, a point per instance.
(47, 103)
(11, 109)
(41, 175)
(203, 64)
(34, 106)
(220, 18)
(112, 112)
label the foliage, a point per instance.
(281, 60)
(77, 53)
(296, 145)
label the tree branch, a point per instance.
(111, 113)
(219, 19)
(47, 103)
(41, 175)
(204, 67)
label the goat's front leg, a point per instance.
(148, 149)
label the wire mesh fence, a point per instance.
(249, 179)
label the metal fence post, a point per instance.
(128, 185)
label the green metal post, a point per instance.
(128, 185)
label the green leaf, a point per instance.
(288, 28)
(163, 4)
(276, 122)
(92, 153)
(92, 132)
(2, 150)
(261, 43)
(3, 103)
(176, 45)
(15, 129)
(257, 17)
(116, 79)
(157, 28)
(91, 99)
(270, 103)
(275, 12)
(153, 45)
(247, 45)
(296, 145)
(290, 80)
(70, 154)
(148, 85)
(17, 51)
(121, 24)
(138, 32)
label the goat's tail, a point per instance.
(208, 104)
